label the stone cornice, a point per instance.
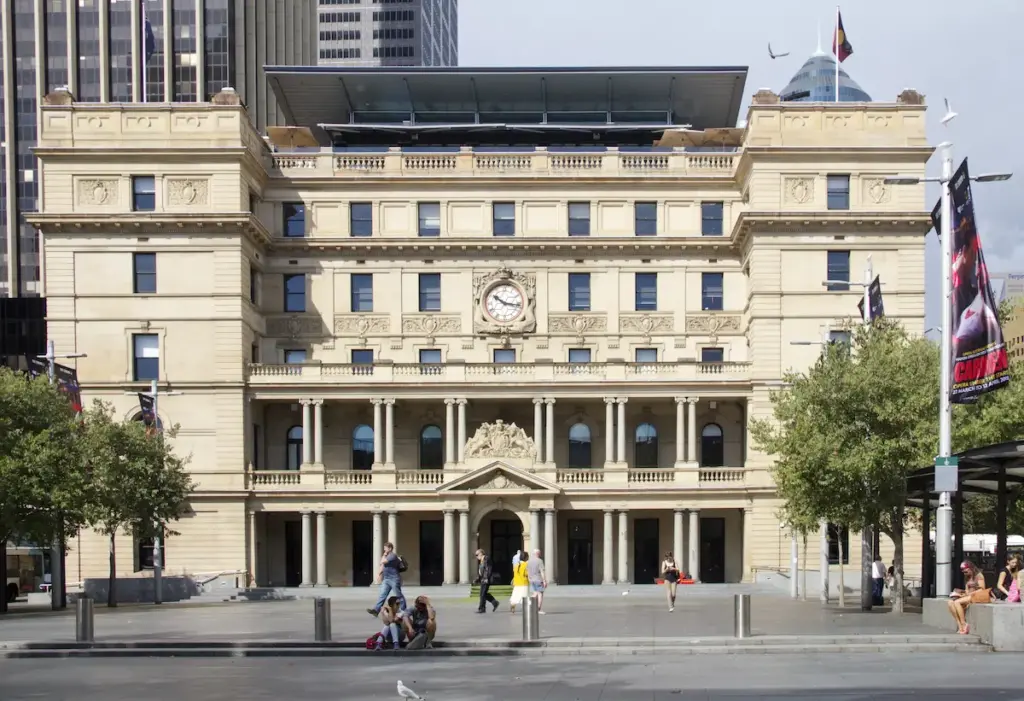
(152, 223)
(838, 222)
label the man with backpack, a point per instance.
(389, 577)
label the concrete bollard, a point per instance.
(84, 632)
(322, 620)
(741, 615)
(531, 619)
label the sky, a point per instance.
(897, 44)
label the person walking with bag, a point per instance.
(389, 577)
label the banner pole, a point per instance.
(944, 514)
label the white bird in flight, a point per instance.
(407, 693)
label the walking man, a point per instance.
(389, 577)
(538, 579)
(484, 572)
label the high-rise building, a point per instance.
(127, 51)
(389, 32)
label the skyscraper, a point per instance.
(127, 51)
(389, 32)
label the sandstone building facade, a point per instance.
(477, 335)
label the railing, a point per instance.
(274, 478)
(722, 475)
(469, 163)
(578, 476)
(652, 475)
(419, 478)
(495, 373)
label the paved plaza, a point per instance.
(783, 677)
(640, 614)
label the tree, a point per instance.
(139, 485)
(847, 433)
(43, 483)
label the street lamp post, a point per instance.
(944, 514)
(57, 578)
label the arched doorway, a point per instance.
(501, 534)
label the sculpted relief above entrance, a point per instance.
(501, 440)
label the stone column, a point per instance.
(549, 440)
(462, 430)
(535, 542)
(538, 428)
(691, 430)
(550, 558)
(307, 550)
(252, 550)
(393, 528)
(389, 432)
(307, 431)
(378, 432)
(680, 438)
(609, 429)
(677, 536)
(378, 542)
(622, 429)
(623, 544)
(693, 560)
(449, 431)
(609, 546)
(449, 546)
(321, 549)
(318, 431)
(748, 537)
(464, 546)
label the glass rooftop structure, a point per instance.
(816, 82)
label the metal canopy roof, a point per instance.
(978, 473)
(375, 98)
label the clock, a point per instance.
(504, 302)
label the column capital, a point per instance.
(681, 511)
(552, 510)
(306, 402)
(536, 511)
(694, 511)
(305, 513)
(610, 400)
(681, 400)
(392, 512)
(321, 513)
(539, 400)
(376, 402)
(462, 400)
(446, 512)
(609, 511)
(252, 513)
(390, 401)
(692, 400)
(748, 509)
(622, 400)
(463, 511)
(449, 402)
(316, 402)
(549, 400)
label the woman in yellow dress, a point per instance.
(520, 582)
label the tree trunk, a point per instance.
(112, 578)
(842, 582)
(3, 574)
(803, 573)
(897, 562)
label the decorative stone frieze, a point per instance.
(361, 325)
(714, 325)
(97, 192)
(294, 326)
(646, 324)
(188, 192)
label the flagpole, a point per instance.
(836, 49)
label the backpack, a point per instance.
(371, 642)
(402, 564)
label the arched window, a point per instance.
(580, 446)
(362, 448)
(294, 448)
(142, 417)
(712, 446)
(431, 448)
(645, 446)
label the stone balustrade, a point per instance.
(394, 163)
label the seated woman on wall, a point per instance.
(974, 592)
(1008, 587)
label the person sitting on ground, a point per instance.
(391, 617)
(420, 624)
(974, 592)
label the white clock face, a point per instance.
(504, 302)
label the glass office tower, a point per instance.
(389, 32)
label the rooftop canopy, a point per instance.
(605, 106)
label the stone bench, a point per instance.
(999, 625)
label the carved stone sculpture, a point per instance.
(500, 440)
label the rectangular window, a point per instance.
(144, 273)
(145, 356)
(362, 356)
(504, 355)
(646, 292)
(362, 292)
(254, 353)
(295, 293)
(711, 289)
(360, 216)
(646, 355)
(837, 535)
(430, 292)
(253, 284)
(294, 219)
(143, 193)
(293, 356)
(579, 292)
(839, 337)
(579, 219)
(838, 192)
(431, 359)
(645, 219)
(711, 216)
(430, 218)
(712, 355)
(838, 271)
(579, 356)
(504, 219)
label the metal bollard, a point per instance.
(322, 620)
(741, 614)
(531, 619)
(84, 632)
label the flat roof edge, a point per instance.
(498, 70)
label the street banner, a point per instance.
(38, 366)
(979, 352)
(147, 405)
(875, 297)
(67, 384)
(937, 219)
